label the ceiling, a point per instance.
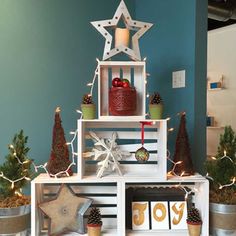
(221, 13)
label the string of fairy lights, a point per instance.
(233, 180)
(74, 154)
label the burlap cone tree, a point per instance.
(182, 150)
(59, 158)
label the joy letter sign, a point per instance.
(159, 215)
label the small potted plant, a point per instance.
(194, 222)
(221, 171)
(94, 224)
(88, 107)
(156, 106)
(15, 173)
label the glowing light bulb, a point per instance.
(225, 153)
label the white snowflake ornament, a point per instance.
(108, 152)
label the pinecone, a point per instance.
(94, 217)
(87, 99)
(194, 216)
(155, 99)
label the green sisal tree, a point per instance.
(16, 166)
(222, 169)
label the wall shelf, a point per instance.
(216, 89)
(215, 127)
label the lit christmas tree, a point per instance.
(222, 169)
(15, 172)
(59, 159)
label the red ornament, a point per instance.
(125, 83)
(117, 82)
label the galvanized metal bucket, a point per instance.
(15, 221)
(222, 220)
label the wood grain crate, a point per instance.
(135, 72)
(104, 196)
(129, 139)
(199, 199)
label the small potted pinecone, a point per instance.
(156, 106)
(88, 107)
(194, 222)
(94, 224)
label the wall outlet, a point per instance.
(178, 79)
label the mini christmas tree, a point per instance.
(59, 159)
(222, 169)
(182, 150)
(16, 168)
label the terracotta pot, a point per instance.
(156, 111)
(222, 219)
(94, 230)
(89, 111)
(194, 229)
(15, 221)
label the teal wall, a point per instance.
(47, 55)
(178, 42)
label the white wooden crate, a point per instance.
(135, 72)
(129, 139)
(200, 199)
(104, 196)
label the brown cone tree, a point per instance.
(59, 158)
(182, 150)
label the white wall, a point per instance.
(221, 61)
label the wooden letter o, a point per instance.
(162, 208)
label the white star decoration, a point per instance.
(108, 151)
(66, 212)
(140, 27)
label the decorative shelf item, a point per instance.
(216, 85)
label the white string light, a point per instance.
(14, 181)
(233, 180)
(81, 114)
(94, 78)
(63, 172)
(228, 185)
(226, 157)
(21, 163)
(175, 164)
(187, 192)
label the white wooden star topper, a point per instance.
(140, 27)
